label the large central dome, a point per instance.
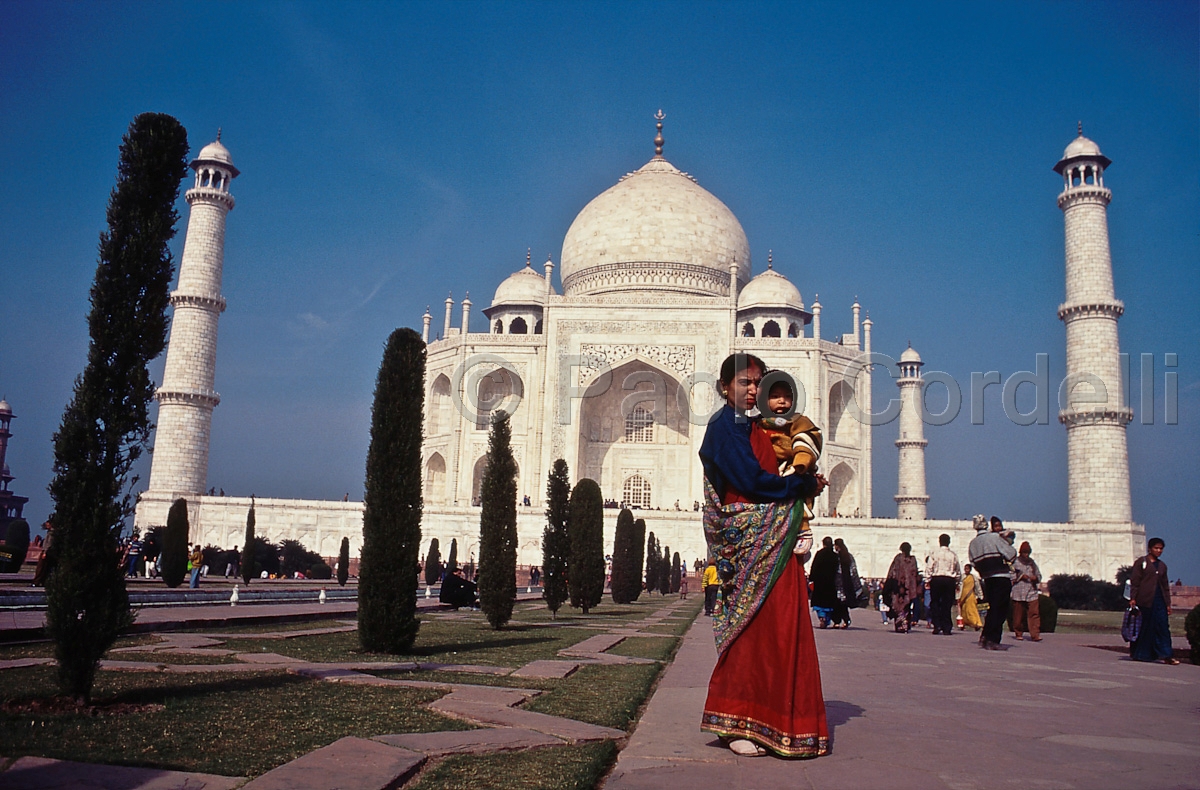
(656, 231)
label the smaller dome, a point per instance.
(216, 152)
(770, 289)
(525, 287)
(910, 355)
(1081, 146)
(4, 407)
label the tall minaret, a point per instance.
(1095, 413)
(910, 492)
(186, 397)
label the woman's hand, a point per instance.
(821, 483)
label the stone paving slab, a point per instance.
(547, 668)
(567, 729)
(478, 669)
(595, 644)
(918, 711)
(345, 764)
(18, 663)
(495, 739)
(40, 773)
(268, 658)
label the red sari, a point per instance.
(766, 686)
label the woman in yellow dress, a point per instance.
(966, 600)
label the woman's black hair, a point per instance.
(740, 361)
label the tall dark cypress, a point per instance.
(452, 559)
(343, 563)
(638, 559)
(387, 576)
(248, 568)
(653, 562)
(556, 542)
(106, 425)
(623, 569)
(175, 544)
(498, 525)
(676, 573)
(585, 575)
(664, 572)
(433, 563)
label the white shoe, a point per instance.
(745, 748)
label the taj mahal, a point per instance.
(613, 370)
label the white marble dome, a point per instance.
(770, 289)
(525, 287)
(215, 152)
(656, 230)
(1081, 146)
(910, 355)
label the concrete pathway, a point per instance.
(919, 711)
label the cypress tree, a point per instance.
(387, 577)
(556, 542)
(664, 572)
(676, 573)
(623, 571)
(106, 425)
(343, 563)
(585, 575)
(637, 559)
(498, 525)
(452, 560)
(248, 569)
(433, 563)
(175, 545)
(652, 563)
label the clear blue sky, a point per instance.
(391, 152)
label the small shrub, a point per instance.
(320, 570)
(433, 563)
(1048, 609)
(1191, 627)
(1081, 591)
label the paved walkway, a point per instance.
(919, 711)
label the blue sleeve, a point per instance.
(729, 461)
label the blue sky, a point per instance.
(392, 152)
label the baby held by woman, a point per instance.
(797, 444)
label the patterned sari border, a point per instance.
(783, 744)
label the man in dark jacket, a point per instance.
(824, 581)
(991, 554)
(1152, 595)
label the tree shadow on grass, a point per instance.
(442, 648)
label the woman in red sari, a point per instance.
(765, 692)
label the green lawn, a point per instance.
(245, 724)
(1072, 621)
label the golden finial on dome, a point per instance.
(658, 138)
(770, 258)
(528, 257)
(218, 134)
(1080, 124)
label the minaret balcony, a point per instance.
(1096, 308)
(909, 499)
(1101, 415)
(188, 397)
(209, 195)
(214, 304)
(904, 443)
(1086, 193)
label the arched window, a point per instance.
(537, 328)
(498, 329)
(477, 480)
(639, 426)
(770, 329)
(435, 479)
(439, 395)
(495, 390)
(636, 492)
(518, 327)
(793, 330)
(748, 330)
